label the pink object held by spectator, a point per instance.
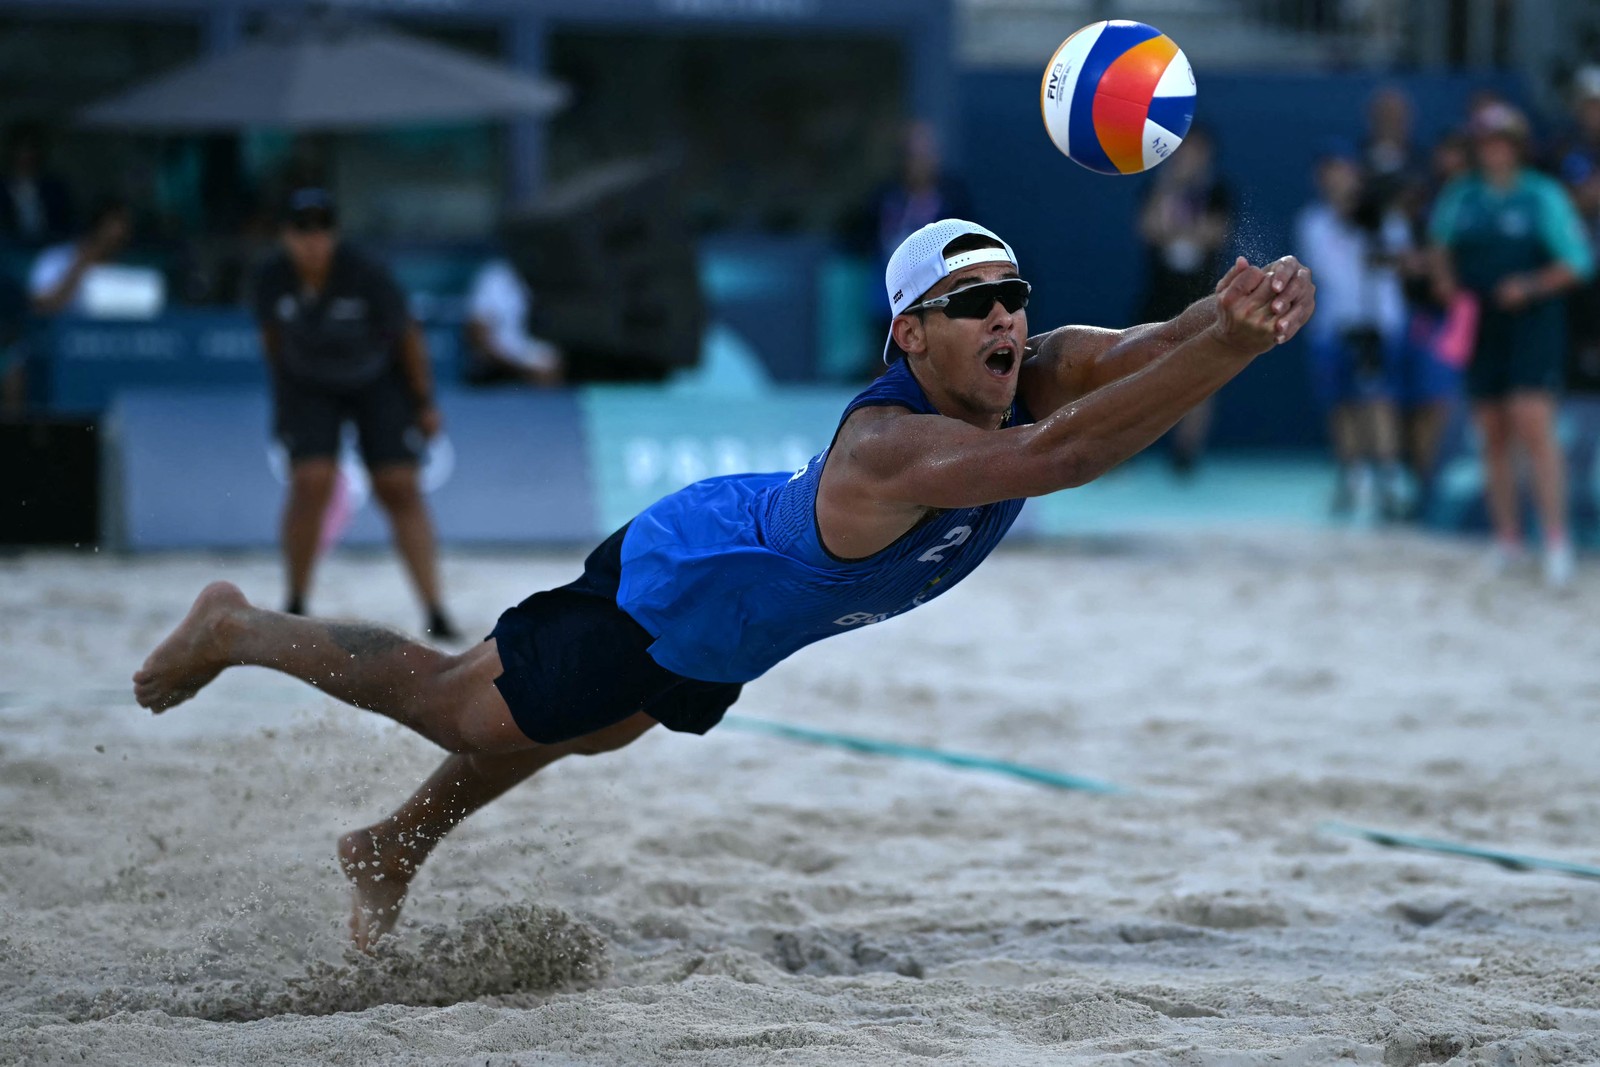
(1458, 333)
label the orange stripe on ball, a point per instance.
(1120, 127)
(1135, 74)
(1122, 101)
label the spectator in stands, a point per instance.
(1389, 155)
(500, 348)
(342, 348)
(35, 205)
(1511, 237)
(1185, 224)
(1352, 244)
(1580, 169)
(1577, 161)
(1430, 380)
(1575, 156)
(56, 281)
(922, 192)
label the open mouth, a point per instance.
(1001, 361)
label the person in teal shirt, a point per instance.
(1511, 237)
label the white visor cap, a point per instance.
(919, 263)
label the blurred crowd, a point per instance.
(1461, 270)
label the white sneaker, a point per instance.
(1560, 565)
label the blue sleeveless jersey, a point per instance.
(730, 576)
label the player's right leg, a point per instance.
(382, 859)
(450, 699)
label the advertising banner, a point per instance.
(198, 469)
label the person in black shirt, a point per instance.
(341, 347)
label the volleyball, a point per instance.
(1117, 97)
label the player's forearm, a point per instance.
(953, 465)
(1090, 436)
(1140, 346)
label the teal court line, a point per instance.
(871, 746)
(894, 749)
(1511, 861)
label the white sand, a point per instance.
(740, 899)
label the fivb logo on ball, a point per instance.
(1117, 97)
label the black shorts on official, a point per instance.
(575, 663)
(1521, 352)
(308, 420)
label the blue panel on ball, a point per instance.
(1173, 113)
(1114, 40)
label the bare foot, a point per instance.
(192, 655)
(379, 878)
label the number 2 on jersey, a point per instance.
(952, 539)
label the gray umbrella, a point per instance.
(326, 74)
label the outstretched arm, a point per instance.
(887, 463)
(1073, 361)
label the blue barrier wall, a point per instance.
(197, 469)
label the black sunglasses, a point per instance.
(975, 301)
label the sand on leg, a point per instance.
(382, 859)
(449, 699)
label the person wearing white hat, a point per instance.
(711, 586)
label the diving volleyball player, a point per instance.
(711, 586)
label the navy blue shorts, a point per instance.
(575, 663)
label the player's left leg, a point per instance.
(451, 700)
(381, 860)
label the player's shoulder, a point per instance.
(1047, 353)
(873, 418)
(878, 437)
